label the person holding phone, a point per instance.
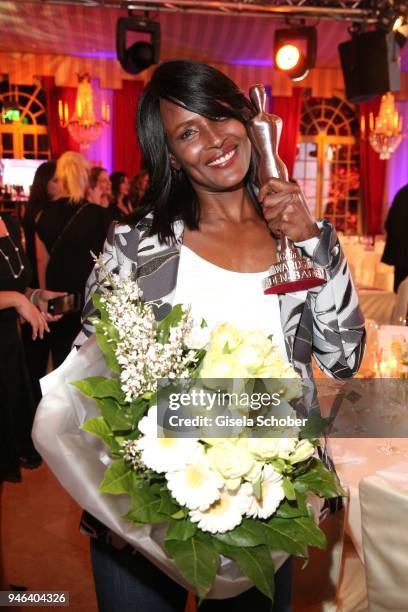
(205, 237)
(45, 188)
(17, 406)
(67, 231)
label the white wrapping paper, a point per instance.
(79, 461)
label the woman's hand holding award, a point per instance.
(292, 271)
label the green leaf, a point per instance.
(107, 346)
(96, 300)
(257, 489)
(172, 319)
(115, 478)
(137, 410)
(283, 534)
(100, 428)
(114, 414)
(293, 534)
(181, 530)
(248, 533)
(110, 387)
(278, 464)
(315, 426)
(321, 481)
(168, 505)
(145, 508)
(313, 535)
(180, 514)
(256, 563)
(301, 497)
(288, 489)
(88, 386)
(290, 510)
(197, 560)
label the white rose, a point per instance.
(198, 338)
(231, 460)
(304, 449)
(271, 448)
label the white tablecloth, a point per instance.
(357, 458)
(377, 304)
(365, 263)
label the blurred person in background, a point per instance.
(100, 188)
(138, 187)
(121, 205)
(45, 188)
(17, 406)
(396, 246)
(67, 230)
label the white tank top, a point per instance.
(218, 295)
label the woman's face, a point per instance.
(104, 183)
(143, 182)
(54, 187)
(214, 154)
(124, 187)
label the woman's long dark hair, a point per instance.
(202, 90)
(116, 178)
(39, 196)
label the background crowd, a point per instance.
(67, 217)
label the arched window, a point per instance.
(327, 164)
(23, 122)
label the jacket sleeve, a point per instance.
(338, 337)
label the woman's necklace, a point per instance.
(7, 258)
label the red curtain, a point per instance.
(290, 110)
(372, 173)
(127, 156)
(60, 139)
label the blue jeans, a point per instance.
(130, 583)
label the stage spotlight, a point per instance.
(287, 57)
(294, 51)
(141, 54)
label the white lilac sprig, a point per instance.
(140, 353)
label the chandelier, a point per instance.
(83, 125)
(385, 131)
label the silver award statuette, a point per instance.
(292, 272)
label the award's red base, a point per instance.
(292, 286)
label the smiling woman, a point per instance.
(204, 237)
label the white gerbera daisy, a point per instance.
(148, 425)
(271, 494)
(223, 515)
(163, 454)
(196, 485)
(166, 454)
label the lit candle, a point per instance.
(66, 112)
(371, 120)
(60, 111)
(362, 126)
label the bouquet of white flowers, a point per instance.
(239, 497)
